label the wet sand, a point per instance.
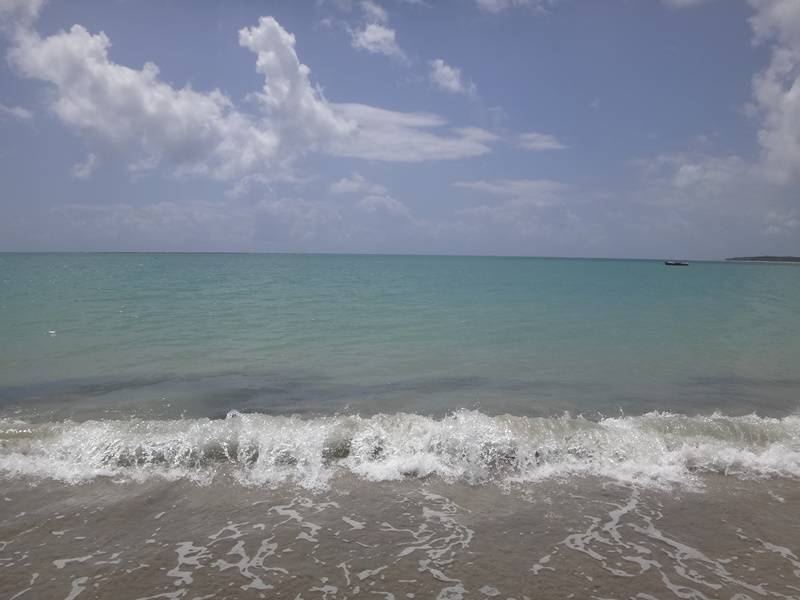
(582, 538)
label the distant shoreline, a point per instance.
(776, 259)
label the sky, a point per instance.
(598, 128)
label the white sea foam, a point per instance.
(654, 449)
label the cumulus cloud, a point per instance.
(776, 89)
(375, 35)
(378, 39)
(697, 185)
(448, 78)
(131, 111)
(779, 19)
(296, 109)
(17, 112)
(540, 142)
(132, 114)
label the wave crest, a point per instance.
(655, 449)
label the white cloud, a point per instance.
(342, 5)
(682, 3)
(712, 175)
(696, 179)
(529, 206)
(356, 184)
(699, 187)
(497, 6)
(781, 223)
(377, 39)
(448, 78)
(384, 203)
(296, 109)
(776, 19)
(542, 192)
(540, 141)
(247, 184)
(19, 13)
(405, 137)
(375, 199)
(354, 130)
(276, 224)
(776, 89)
(373, 12)
(17, 112)
(191, 225)
(132, 114)
(500, 5)
(131, 111)
(715, 202)
(301, 219)
(85, 169)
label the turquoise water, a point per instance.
(164, 335)
(429, 425)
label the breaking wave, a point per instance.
(655, 449)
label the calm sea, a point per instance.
(201, 334)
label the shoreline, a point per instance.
(408, 539)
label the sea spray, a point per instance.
(655, 449)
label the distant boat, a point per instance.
(676, 263)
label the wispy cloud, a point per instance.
(682, 3)
(373, 12)
(384, 203)
(542, 191)
(527, 206)
(84, 170)
(540, 142)
(497, 6)
(19, 13)
(17, 112)
(356, 184)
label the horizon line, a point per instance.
(387, 254)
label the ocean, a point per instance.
(363, 426)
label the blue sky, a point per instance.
(632, 128)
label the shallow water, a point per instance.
(580, 539)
